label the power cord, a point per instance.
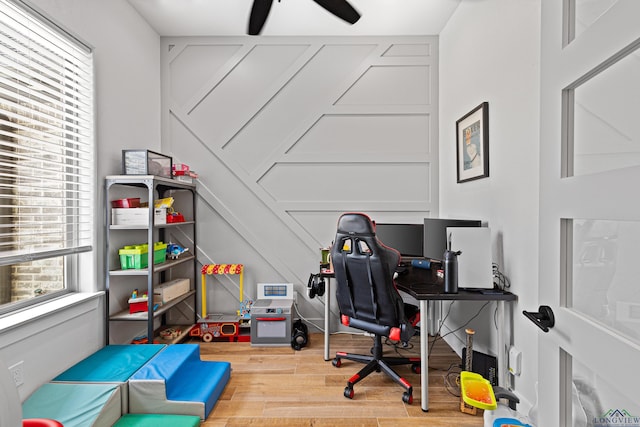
(398, 346)
(295, 307)
(499, 279)
(439, 336)
(452, 379)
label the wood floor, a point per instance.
(278, 386)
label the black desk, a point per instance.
(425, 285)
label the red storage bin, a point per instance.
(175, 217)
(126, 203)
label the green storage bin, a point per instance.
(159, 252)
(136, 256)
(133, 256)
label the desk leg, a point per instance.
(433, 323)
(502, 352)
(424, 357)
(327, 317)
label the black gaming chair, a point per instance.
(368, 299)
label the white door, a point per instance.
(590, 213)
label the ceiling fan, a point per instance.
(260, 10)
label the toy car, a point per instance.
(215, 327)
(174, 250)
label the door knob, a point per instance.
(543, 318)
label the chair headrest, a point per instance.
(356, 224)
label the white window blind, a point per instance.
(46, 139)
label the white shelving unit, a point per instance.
(179, 313)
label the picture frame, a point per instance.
(472, 144)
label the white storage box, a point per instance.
(168, 291)
(137, 216)
(160, 216)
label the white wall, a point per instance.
(287, 133)
(489, 51)
(127, 60)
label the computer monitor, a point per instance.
(435, 234)
(405, 238)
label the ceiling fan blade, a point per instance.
(259, 14)
(340, 8)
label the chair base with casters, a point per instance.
(377, 362)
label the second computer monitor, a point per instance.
(435, 234)
(405, 238)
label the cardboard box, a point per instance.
(160, 216)
(137, 216)
(171, 290)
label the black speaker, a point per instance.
(483, 364)
(299, 334)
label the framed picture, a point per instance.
(472, 144)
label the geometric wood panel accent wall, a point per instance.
(289, 132)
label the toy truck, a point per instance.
(216, 326)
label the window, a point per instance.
(47, 178)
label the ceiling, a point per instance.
(295, 17)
